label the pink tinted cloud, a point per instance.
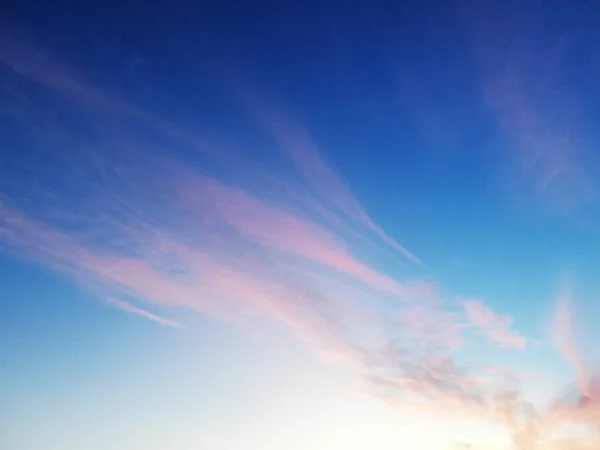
(268, 225)
(171, 275)
(431, 325)
(495, 326)
(416, 368)
(280, 230)
(419, 366)
(296, 142)
(218, 288)
(162, 271)
(309, 240)
(128, 307)
(62, 252)
(565, 341)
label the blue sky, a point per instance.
(248, 226)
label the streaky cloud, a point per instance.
(296, 141)
(565, 339)
(493, 325)
(128, 307)
(280, 230)
(545, 150)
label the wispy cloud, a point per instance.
(128, 307)
(544, 146)
(159, 270)
(495, 326)
(570, 421)
(280, 230)
(565, 340)
(19, 54)
(295, 140)
(549, 151)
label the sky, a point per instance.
(301, 225)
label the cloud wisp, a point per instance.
(128, 307)
(322, 182)
(565, 340)
(546, 150)
(493, 325)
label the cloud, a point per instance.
(20, 55)
(564, 340)
(496, 327)
(128, 307)
(295, 140)
(545, 148)
(568, 421)
(549, 152)
(418, 368)
(163, 272)
(280, 230)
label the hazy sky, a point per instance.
(309, 225)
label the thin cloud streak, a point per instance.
(295, 140)
(280, 230)
(547, 152)
(565, 341)
(128, 307)
(495, 326)
(170, 275)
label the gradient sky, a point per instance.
(310, 225)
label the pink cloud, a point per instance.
(495, 326)
(201, 283)
(272, 227)
(28, 61)
(565, 341)
(296, 142)
(418, 369)
(280, 230)
(128, 307)
(205, 277)
(441, 331)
